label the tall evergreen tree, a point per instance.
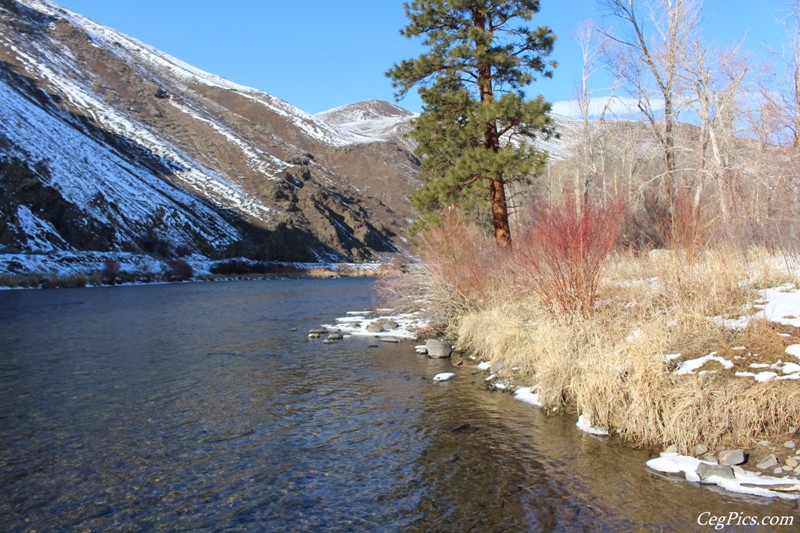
(475, 120)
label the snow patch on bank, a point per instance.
(365, 324)
(744, 483)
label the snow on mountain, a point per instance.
(126, 139)
(135, 52)
(374, 119)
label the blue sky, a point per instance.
(320, 54)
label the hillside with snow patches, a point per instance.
(105, 139)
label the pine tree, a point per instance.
(476, 124)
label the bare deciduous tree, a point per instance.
(657, 45)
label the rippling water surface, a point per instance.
(195, 407)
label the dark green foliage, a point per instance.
(474, 135)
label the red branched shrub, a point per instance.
(562, 252)
(461, 254)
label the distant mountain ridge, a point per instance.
(105, 140)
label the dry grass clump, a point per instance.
(321, 273)
(459, 273)
(611, 365)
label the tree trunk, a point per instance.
(491, 141)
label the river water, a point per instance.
(196, 407)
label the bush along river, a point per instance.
(206, 406)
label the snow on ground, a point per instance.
(744, 483)
(63, 264)
(691, 366)
(526, 394)
(584, 423)
(781, 305)
(356, 324)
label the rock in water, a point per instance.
(444, 376)
(438, 349)
(731, 457)
(375, 327)
(390, 324)
(705, 471)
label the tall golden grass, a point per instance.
(610, 364)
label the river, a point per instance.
(197, 407)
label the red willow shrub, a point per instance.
(561, 253)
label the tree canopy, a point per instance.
(476, 129)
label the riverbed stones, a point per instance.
(336, 336)
(764, 443)
(438, 349)
(792, 462)
(769, 461)
(317, 331)
(705, 471)
(731, 457)
(390, 324)
(790, 444)
(700, 449)
(375, 327)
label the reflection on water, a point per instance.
(196, 407)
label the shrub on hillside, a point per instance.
(152, 243)
(179, 270)
(111, 272)
(561, 254)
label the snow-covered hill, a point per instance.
(125, 140)
(373, 119)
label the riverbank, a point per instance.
(691, 356)
(91, 269)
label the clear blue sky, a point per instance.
(320, 54)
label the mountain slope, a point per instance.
(127, 140)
